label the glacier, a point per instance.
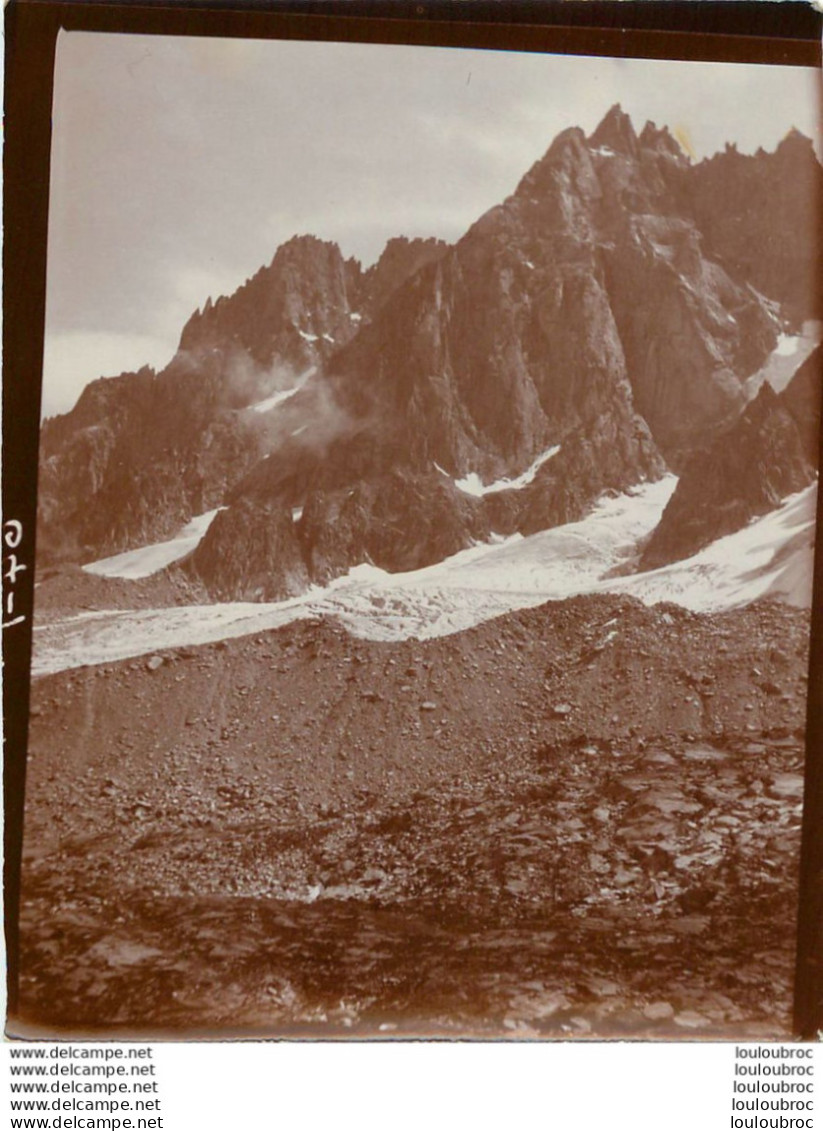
(771, 557)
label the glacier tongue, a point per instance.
(770, 557)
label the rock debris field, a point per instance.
(578, 820)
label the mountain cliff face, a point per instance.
(289, 313)
(761, 218)
(234, 558)
(596, 327)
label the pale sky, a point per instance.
(179, 165)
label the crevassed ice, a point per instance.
(770, 557)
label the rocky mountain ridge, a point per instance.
(599, 323)
(150, 450)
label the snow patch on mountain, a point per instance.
(472, 484)
(283, 395)
(786, 358)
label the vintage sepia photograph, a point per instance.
(426, 510)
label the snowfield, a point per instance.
(135, 564)
(770, 557)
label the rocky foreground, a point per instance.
(576, 820)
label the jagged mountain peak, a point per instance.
(758, 213)
(292, 311)
(398, 244)
(794, 146)
(306, 245)
(405, 252)
(582, 162)
(796, 142)
(100, 395)
(660, 139)
(615, 132)
(567, 149)
(572, 140)
(600, 321)
(400, 259)
(300, 252)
